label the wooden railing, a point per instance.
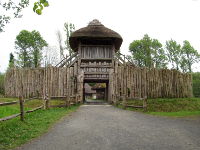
(73, 100)
(21, 106)
(68, 61)
(123, 59)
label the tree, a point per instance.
(23, 47)
(68, 28)
(37, 45)
(50, 56)
(148, 52)
(189, 56)
(13, 9)
(2, 88)
(29, 46)
(59, 38)
(158, 55)
(174, 53)
(11, 61)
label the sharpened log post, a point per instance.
(76, 98)
(124, 101)
(67, 101)
(145, 104)
(47, 102)
(21, 103)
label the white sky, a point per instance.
(160, 19)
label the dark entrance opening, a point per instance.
(95, 91)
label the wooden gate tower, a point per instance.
(94, 49)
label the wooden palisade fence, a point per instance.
(128, 80)
(51, 81)
(135, 82)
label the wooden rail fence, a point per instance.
(46, 105)
(21, 106)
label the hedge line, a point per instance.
(196, 84)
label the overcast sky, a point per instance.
(160, 19)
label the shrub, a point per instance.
(2, 89)
(196, 84)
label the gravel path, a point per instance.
(104, 127)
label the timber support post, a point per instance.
(67, 101)
(46, 102)
(145, 104)
(124, 102)
(21, 103)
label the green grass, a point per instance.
(14, 109)
(170, 107)
(13, 132)
(176, 114)
(57, 102)
(8, 99)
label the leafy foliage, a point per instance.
(189, 57)
(148, 52)
(196, 84)
(174, 53)
(38, 6)
(11, 61)
(69, 28)
(2, 89)
(29, 46)
(182, 57)
(12, 9)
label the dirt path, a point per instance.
(104, 127)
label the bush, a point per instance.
(196, 84)
(2, 89)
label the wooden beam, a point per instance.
(37, 108)
(96, 66)
(98, 73)
(9, 117)
(21, 101)
(8, 103)
(96, 59)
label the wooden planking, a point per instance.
(96, 52)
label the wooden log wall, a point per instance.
(55, 82)
(131, 81)
(135, 82)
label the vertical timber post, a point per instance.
(21, 99)
(124, 101)
(47, 102)
(110, 91)
(145, 104)
(21, 103)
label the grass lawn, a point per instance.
(13, 132)
(177, 107)
(14, 109)
(177, 114)
(8, 99)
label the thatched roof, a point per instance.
(94, 30)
